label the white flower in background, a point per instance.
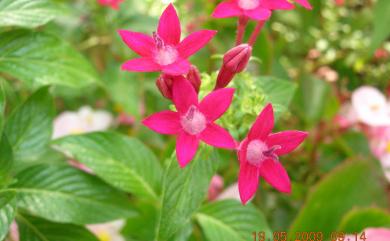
(108, 231)
(84, 120)
(231, 192)
(372, 234)
(167, 1)
(371, 106)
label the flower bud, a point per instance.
(194, 77)
(164, 84)
(234, 61)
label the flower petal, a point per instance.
(169, 26)
(216, 103)
(183, 94)
(305, 4)
(277, 4)
(287, 140)
(195, 41)
(141, 65)
(263, 124)
(275, 174)
(140, 43)
(186, 148)
(258, 14)
(164, 122)
(180, 67)
(248, 181)
(215, 135)
(226, 10)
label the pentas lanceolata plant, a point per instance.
(194, 119)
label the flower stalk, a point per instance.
(256, 32)
(241, 26)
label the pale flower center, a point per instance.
(257, 151)
(388, 147)
(248, 4)
(254, 152)
(193, 122)
(166, 55)
(375, 107)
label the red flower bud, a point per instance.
(234, 61)
(164, 84)
(194, 77)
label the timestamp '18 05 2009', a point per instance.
(308, 236)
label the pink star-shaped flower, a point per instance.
(193, 121)
(253, 9)
(258, 155)
(114, 4)
(164, 51)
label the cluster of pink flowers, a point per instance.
(194, 120)
(369, 112)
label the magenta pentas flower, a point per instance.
(114, 4)
(253, 9)
(164, 51)
(194, 121)
(259, 155)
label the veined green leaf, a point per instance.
(37, 229)
(64, 194)
(359, 219)
(122, 161)
(29, 128)
(278, 92)
(7, 213)
(229, 220)
(39, 59)
(350, 186)
(27, 13)
(183, 191)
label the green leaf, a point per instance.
(27, 13)
(39, 58)
(64, 194)
(352, 185)
(7, 213)
(141, 226)
(183, 191)
(359, 219)
(6, 160)
(229, 220)
(2, 105)
(278, 92)
(381, 24)
(124, 89)
(123, 162)
(311, 98)
(29, 128)
(37, 229)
